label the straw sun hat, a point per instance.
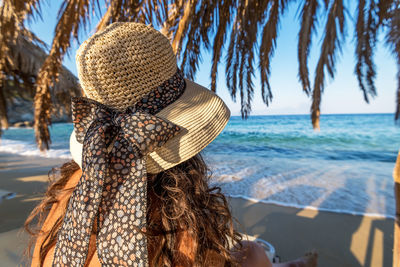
(126, 61)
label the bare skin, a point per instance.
(253, 255)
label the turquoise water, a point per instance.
(342, 137)
(346, 167)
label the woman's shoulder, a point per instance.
(56, 212)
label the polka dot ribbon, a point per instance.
(113, 186)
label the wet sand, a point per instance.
(340, 239)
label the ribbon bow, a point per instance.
(113, 184)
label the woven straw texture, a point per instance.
(116, 76)
(122, 63)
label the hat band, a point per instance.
(153, 102)
(163, 95)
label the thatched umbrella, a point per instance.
(22, 64)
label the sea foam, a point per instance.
(30, 149)
(346, 167)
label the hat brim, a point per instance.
(200, 113)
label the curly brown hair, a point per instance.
(183, 200)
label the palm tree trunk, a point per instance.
(396, 245)
(3, 108)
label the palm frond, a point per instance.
(222, 23)
(183, 25)
(122, 10)
(240, 56)
(172, 13)
(252, 18)
(366, 29)
(231, 61)
(3, 108)
(73, 14)
(197, 36)
(331, 43)
(267, 48)
(393, 42)
(384, 7)
(197, 25)
(308, 25)
(360, 44)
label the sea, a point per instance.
(346, 167)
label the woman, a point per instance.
(136, 193)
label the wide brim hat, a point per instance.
(125, 61)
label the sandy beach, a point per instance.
(340, 239)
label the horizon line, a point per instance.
(304, 114)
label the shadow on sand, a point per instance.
(340, 239)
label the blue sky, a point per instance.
(341, 95)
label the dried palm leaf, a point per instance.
(194, 25)
(366, 29)
(223, 19)
(72, 15)
(184, 19)
(268, 43)
(308, 25)
(331, 43)
(172, 13)
(197, 35)
(231, 67)
(393, 41)
(253, 17)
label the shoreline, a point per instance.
(65, 158)
(29, 149)
(287, 205)
(340, 239)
